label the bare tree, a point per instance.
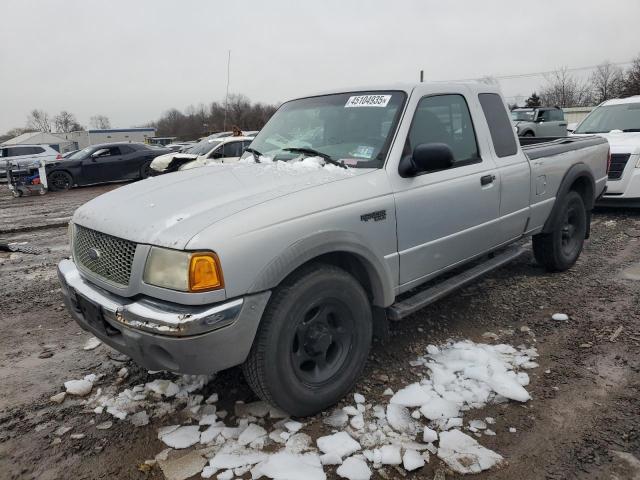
(607, 82)
(100, 122)
(39, 121)
(563, 90)
(631, 80)
(66, 122)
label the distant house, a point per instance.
(84, 138)
(56, 141)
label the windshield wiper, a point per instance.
(315, 153)
(256, 154)
(631, 130)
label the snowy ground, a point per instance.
(581, 421)
(421, 419)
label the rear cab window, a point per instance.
(502, 134)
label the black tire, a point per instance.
(558, 250)
(313, 341)
(145, 170)
(529, 134)
(59, 180)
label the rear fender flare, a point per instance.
(575, 172)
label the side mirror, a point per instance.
(426, 157)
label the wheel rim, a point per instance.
(59, 181)
(146, 170)
(571, 231)
(322, 341)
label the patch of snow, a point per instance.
(92, 343)
(80, 388)
(412, 460)
(429, 436)
(390, 455)
(337, 419)
(340, 444)
(181, 437)
(251, 433)
(560, 317)
(354, 468)
(140, 419)
(464, 454)
(289, 466)
(358, 398)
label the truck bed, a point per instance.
(537, 147)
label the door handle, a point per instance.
(487, 179)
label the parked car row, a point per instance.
(103, 163)
(24, 156)
(225, 149)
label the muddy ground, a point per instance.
(583, 421)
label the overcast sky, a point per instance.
(132, 60)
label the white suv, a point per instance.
(618, 121)
(23, 156)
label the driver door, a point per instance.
(445, 216)
(102, 165)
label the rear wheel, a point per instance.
(313, 341)
(60, 180)
(528, 134)
(559, 249)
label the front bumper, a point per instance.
(165, 336)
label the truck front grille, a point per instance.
(108, 257)
(618, 162)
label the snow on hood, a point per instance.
(169, 210)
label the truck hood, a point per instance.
(622, 142)
(171, 209)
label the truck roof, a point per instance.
(622, 101)
(409, 87)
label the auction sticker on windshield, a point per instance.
(368, 101)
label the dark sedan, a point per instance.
(104, 163)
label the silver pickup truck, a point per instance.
(349, 209)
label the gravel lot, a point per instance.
(583, 421)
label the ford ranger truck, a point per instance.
(349, 209)
(618, 121)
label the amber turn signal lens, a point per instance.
(204, 272)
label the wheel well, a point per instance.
(354, 265)
(584, 187)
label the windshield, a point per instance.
(205, 146)
(352, 128)
(82, 154)
(522, 115)
(625, 117)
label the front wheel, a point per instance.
(313, 341)
(60, 180)
(559, 249)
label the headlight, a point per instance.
(184, 271)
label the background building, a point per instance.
(56, 141)
(84, 138)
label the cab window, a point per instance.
(445, 119)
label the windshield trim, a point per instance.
(393, 132)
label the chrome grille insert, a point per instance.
(109, 257)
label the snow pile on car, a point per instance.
(422, 419)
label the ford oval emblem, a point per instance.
(94, 254)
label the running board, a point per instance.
(422, 298)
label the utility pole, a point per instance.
(226, 98)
